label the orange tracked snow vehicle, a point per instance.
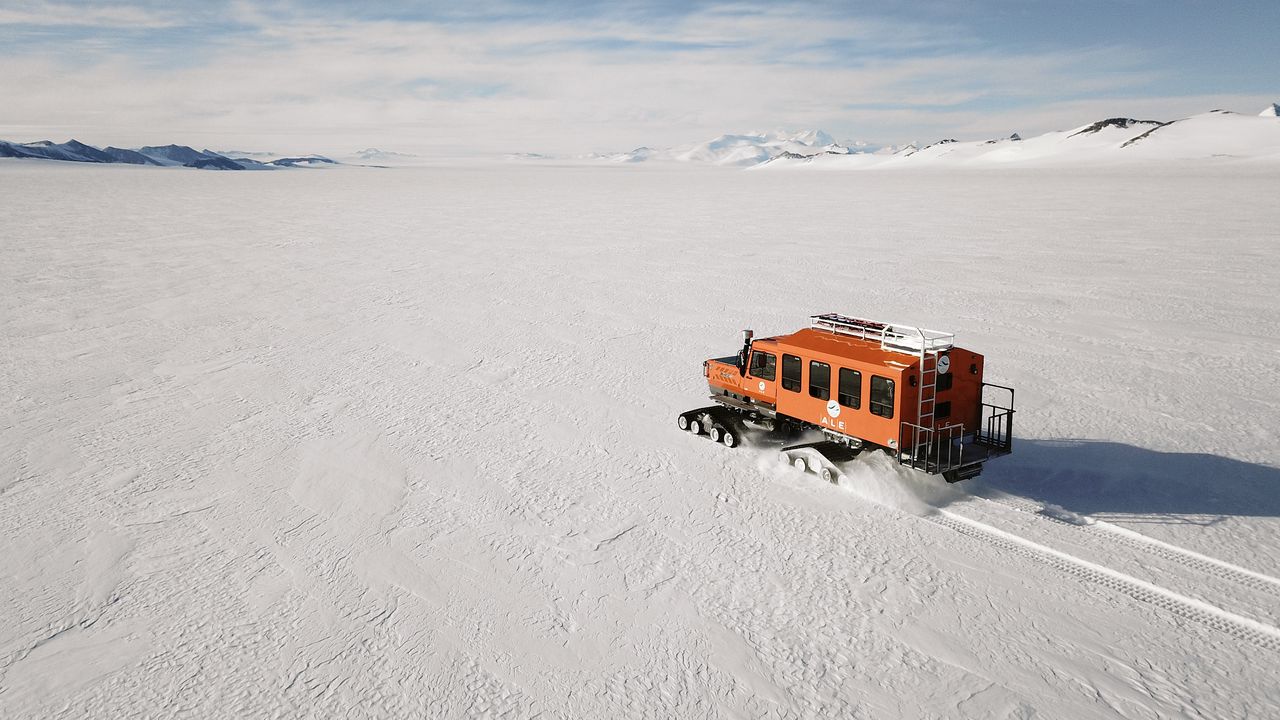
(863, 385)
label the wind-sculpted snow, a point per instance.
(402, 443)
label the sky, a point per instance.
(561, 77)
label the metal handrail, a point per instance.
(996, 427)
(934, 441)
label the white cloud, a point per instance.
(63, 14)
(297, 83)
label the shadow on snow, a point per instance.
(1136, 484)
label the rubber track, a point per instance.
(1252, 631)
(1159, 548)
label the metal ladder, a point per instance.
(928, 394)
(925, 450)
(922, 430)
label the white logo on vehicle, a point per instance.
(833, 408)
(944, 364)
(761, 386)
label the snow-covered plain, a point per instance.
(389, 443)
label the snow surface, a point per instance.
(389, 443)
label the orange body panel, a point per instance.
(958, 404)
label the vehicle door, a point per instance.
(760, 382)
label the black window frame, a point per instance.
(771, 365)
(824, 393)
(841, 395)
(945, 381)
(789, 384)
(879, 407)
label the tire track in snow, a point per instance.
(1242, 628)
(1187, 558)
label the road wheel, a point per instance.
(827, 475)
(715, 432)
(695, 427)
(729, 439)
(683, 422)
(800, 464)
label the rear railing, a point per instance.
(942, 450)
(995, 427)
(931, 450)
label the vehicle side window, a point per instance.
(944, 382)
(943, 410)
(764, 366)
(819, 380)
(850, 391)
(881, 396)
(791, 373)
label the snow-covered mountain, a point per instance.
(131, 157)
(304, 161)
(375, 156)
(1213, 135)
(160, 155)
(174, 154)
(743, 150)
(70, 151)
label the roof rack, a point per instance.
(891, 336)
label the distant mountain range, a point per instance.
(384, 156)
(158, 155)
(1217, 134)
(742, 150)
